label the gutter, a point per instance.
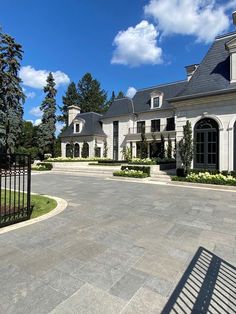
(201, 95)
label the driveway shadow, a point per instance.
(207, 286)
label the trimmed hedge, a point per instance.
(112, 161)
(42, 166)
(130, 174)
(139, 161)
(144, 169)
(207, 178)
(69, 159)
(103, 164)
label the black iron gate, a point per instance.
(15, 188)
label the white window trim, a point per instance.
(155, 95)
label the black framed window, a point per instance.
(77, 127)
(156, 102)
(170, 124)
(115, 140)
(155, 125)
(141, 127)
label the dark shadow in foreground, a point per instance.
(207, 286)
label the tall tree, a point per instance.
(162, 147)
(169, 148)
(109, 102)
(185, 147)
(120, 95)
(70, 98)
(47, 128)
(11, 94)
(91, 96)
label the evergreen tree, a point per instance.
(11, 94)
(47, 128)
(186, 147)
(143, 145)
(105, 149)
(71, 98)
(85, 150)
(120, 95)
(163, 150)
(91, 96)
(109, 102)
(169, 148)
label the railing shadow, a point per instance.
(207, 286)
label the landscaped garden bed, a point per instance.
(208, 178)
(130, 173)
(103, 164)
(69, 159)
(42, 166)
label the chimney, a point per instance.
(73, 111)
(190, 69)
(234, 17)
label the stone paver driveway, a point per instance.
(119, 247)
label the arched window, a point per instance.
(206, 137)
(69, 152)
(85, 150)
(77, 150)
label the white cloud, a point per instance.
(203, 19)
(37, 78)
(35, 111)
(131, 91)
(28, 94)
(137, 45)
(37, 122)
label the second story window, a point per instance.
(141, 127)
(156, 102)
(155, 125)
(170, 124)
(77, 128)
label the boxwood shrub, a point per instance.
(144, 169)
(42, 166)
(130, 174)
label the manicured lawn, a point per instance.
(41, 204)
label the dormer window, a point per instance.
(77, 128)
(156, 100)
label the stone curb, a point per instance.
(61, 205)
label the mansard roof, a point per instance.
(92, 125)
(141, 102)
(213, 74)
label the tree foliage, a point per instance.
(11, 94)
(186, 147)
(169, 148)
(162, 148)
(47, 128)
(85, 150)
(105, 149)
(91, 97)
(71, 98)
(143, 145)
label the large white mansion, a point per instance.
(207, 98)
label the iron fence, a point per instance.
(15, 188)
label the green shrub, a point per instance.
(103, 164)
(111, 161)
(42, 166)
(180, 172)
(233, 174)
(139, 161)
(75, 159)
(144, 169)
(130, 174)
(207, 178)
(160, 161)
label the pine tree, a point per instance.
(11, 94)
(120, 95)
(163, 150)
(91, 96)
(47, 128)
(109, 102)
(71, 98)
(169, 148)
(185, 147)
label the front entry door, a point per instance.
(206, 140)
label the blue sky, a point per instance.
(122, 43)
